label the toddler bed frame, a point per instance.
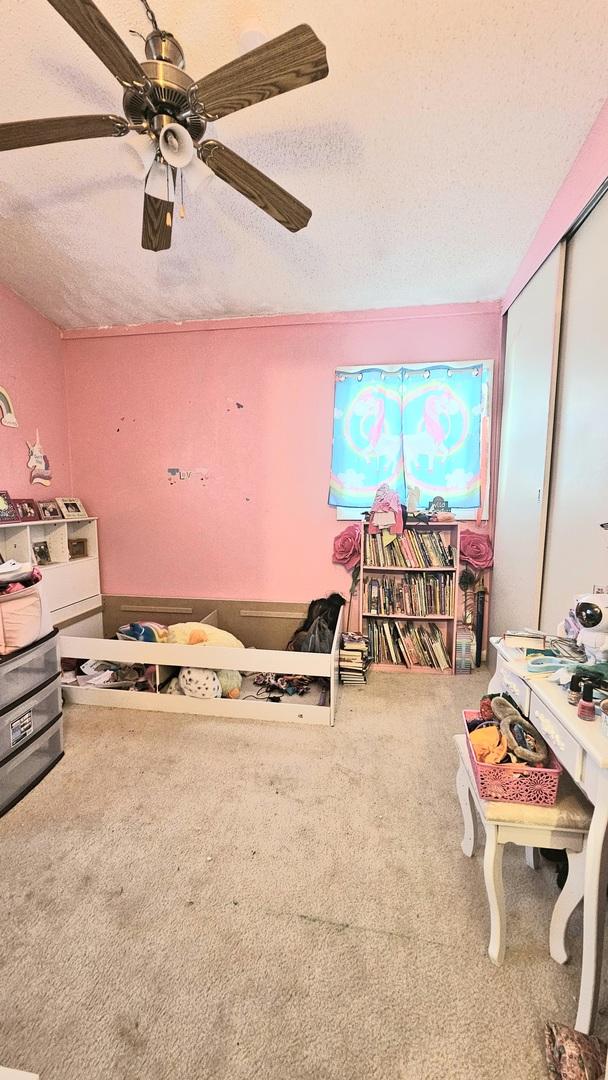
(165, 657)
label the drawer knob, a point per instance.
(548, 729)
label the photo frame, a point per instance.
(27, 509)
(8, 510)
(439, 505)
(72, 509)
(49, 511)
(41, 551)
(78, 547)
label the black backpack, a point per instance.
(316, 633)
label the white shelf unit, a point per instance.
(71, 586)
(444, 622)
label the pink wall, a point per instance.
(32, 371)
(259, 526)
(588, 172)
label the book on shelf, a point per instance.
(413, 550)
(410, 644)
(410, 595)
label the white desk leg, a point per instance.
(532, 858)
(492, 872)
(594, 911)
(565, 905)
(467, 806)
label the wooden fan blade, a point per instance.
(285, 63)
(95, 30)
(59, 129)
(156, 233)
(251, 183)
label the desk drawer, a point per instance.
(561, 742)
(507, 682)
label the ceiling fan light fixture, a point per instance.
(175, 145)
(159, 183)
(196, 174)
(142, 151)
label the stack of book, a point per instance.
(354, 658)
(408, 643)
(413, 550)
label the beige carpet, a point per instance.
(186, 899)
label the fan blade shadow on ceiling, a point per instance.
(94, 91)
(329, 145)
(22, 204)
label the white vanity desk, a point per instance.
(583, 751)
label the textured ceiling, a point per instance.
(429, 157)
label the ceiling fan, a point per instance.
(171, 112)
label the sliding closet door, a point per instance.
(576, 556)
(531, 352)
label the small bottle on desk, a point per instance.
(586, 708)
(574, 693)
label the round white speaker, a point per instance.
(176, 146)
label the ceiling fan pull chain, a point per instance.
(150, 14)
(182, 208)
(168, 218)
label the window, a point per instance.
(412, 427)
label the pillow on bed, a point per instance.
(196, 633)
(572, 1055)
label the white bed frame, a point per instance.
(293, 710)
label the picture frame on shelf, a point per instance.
(49, 510)
(27, 509)
(439, 505)
(41, 551)
(78, 547)
(8, 510)
(72, 509)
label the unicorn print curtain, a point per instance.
(411, 426)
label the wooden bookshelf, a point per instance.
(410, 610)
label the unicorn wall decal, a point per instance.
(39, 464)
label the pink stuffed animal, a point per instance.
(386, 501)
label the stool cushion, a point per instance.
(570, 811)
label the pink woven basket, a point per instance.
(514, 783)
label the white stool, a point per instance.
(563, 825)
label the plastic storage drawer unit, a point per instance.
(27, 766)
(23, 672)
(19, 723)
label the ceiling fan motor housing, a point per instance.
(161, 45)
(168, 100)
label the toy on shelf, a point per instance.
(386, 511)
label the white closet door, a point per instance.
(576, 555)
(532, 345)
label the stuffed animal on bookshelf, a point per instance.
(413, 498)
(196, 633)
(386, 504)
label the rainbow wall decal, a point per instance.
(6, 410)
